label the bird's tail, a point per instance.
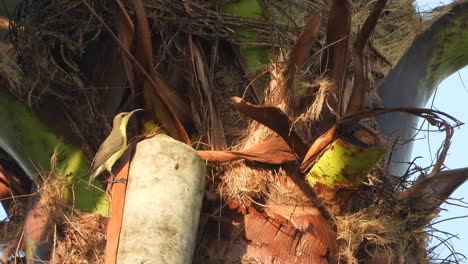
(94, 174)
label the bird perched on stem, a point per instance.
(113, 146)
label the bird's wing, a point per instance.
(112, 144)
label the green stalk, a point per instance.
(449, 52)
(254, 57)
(347, 160)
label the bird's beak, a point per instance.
(132, 112)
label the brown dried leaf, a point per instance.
(369, 25)
(144, 51)
(432, 192)
(203, 100)
(158, 93)
(162, 109)
(303, 45)
(272, 151)
(301, 49)
(429, 193)
(125, 31)
(361, 84)
(276, 120)
(316, 149)
(335, 57)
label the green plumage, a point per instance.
(113, 146)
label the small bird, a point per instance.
(113, 147)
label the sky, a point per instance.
(452, 98)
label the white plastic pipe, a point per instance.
(163, 202)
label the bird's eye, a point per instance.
(122, 115)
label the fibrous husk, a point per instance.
(382, 234)
(50, 43)
(244, 184)
(12, 228)
(52, 40)
(396, 29)
(72, 236)
(79, 239)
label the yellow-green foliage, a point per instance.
(254, 56)
(450, 50)
(32, 145)
(344, 163)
